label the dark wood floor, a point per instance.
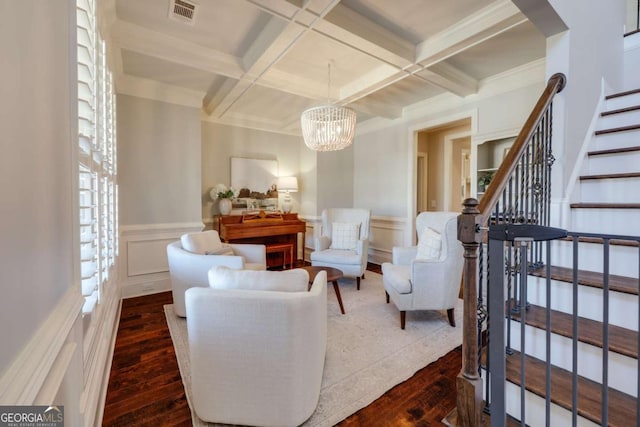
(145, 388)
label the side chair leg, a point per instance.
(403, 318)
(452, 318)
(358, 282)
(387, 294)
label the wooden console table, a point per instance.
(269, 230)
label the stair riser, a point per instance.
(613, 163)
(622, 102)
(623, 260)
(606, 221)
(616, 140)
(535, 408)
(627, 118)
(622, 369)
(618, 190)
(623, 308)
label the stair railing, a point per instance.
(519, 193)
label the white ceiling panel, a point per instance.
(228, 26)
(510, 49)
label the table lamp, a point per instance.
(287, 184)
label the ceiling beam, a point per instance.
(157, 91)
(449, 78)
(489, 22)
(274, 41)
(158, 45)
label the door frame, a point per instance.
(447, 154)
(410, 230)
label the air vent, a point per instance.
(183, 11)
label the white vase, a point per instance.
(225, 206)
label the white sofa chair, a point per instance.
(427, 276)
(257, 341)
(343, 241)
(191, 258)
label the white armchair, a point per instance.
(344, 241)
(427, 276)
(191, 258)
(257, 341)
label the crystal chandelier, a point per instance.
(328, 127)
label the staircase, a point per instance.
(606, 216)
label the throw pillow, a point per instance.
(344, 235)
(226, 249)
(202, 242)
(429, 244)
(296, 280)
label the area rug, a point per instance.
(367, 352)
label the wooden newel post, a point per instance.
(469, 383)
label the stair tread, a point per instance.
(624, 284)
(620, 110)
(621, 340)
(618, 129)
(606, 205)
(611, 176)
(621, 405)
(597, 241)
(625, 93)
(614, 151)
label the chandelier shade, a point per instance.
(328, 127)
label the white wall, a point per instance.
(590, 51)
(36, 170)
(221, 142)
(158, 162)
(335, 179)
(382, 161)
(41, 302)
(159, 152)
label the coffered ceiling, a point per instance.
(260, 63)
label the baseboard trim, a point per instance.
(26, 376)
(147, 287)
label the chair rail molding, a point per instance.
(143, 262)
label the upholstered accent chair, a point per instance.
(343, 242)
(257, 341)
(191, 258)
(427, 276)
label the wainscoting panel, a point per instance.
(386, 232)
(143, 256)
(146, 256)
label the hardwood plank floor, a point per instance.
(145, 388)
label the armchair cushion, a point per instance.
(344, 235)
(337, 256)
(222, 277)
(201, 242)
(398, 277)
(225, 249)
(429, 244)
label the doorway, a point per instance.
(443, 166)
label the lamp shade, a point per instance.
(328, 127)
(288, 184)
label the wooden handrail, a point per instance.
(469, 406)
(555, 85)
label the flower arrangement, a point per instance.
(221, 191)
